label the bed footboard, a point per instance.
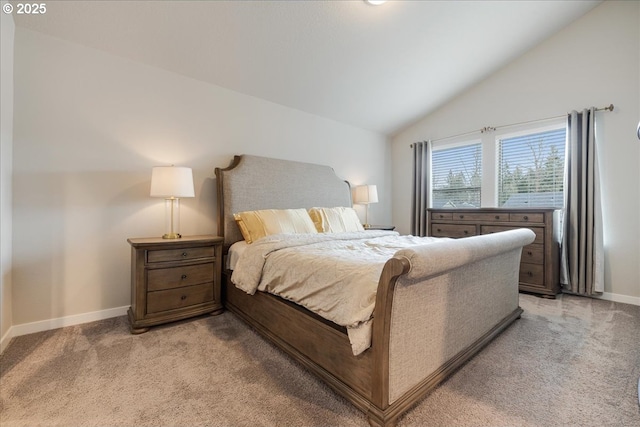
(437, 306)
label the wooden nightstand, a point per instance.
(174, 279)
(380, 227)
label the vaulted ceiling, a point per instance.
(375, 67)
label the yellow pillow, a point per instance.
(335, 220)
(256, 224)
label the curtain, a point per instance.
(420, 187)
(582, 243)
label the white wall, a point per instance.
(6, 147)
(593, 62)
(88, 128)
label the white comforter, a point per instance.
(334, 275)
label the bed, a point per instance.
(436, 305)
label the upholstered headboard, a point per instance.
(252, 183)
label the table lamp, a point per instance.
(365, 195)
(172, 183)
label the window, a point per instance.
(531, 170)
(456, 176)
(524, 168)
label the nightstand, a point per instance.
(174, 279)
(380, 227)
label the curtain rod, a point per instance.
(493, 128)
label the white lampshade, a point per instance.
(171, 181)
(365, 194)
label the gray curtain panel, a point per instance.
(582, 245)
(420, 187)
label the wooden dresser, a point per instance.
(539, 267)
(173, 279)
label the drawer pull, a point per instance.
(466, 231)
(530, 274)
(526, 218)
(439, 230)
(184, 276)
(183, 297)
(529, 253)
(497, 216)
(461, 216)
(184, 254)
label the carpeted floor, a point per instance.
(567, 362)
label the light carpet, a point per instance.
(567, 362)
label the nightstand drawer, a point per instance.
(178, 298)
(532, 274)
(533, 254)
(176, 277)
(452, 230)
(167, 255)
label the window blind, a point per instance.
(456, 176)
(531, 169)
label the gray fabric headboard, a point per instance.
(252, 183)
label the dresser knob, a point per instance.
(526, 218)
(184, 276)
(466, 231)
(183, 297)
(529, 253)
(529, 273)
(497, 216)
(439, 230)
(461, 216)
(184, 254)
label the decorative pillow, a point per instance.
(335, 220)
(256, 224)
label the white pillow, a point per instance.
(335, 220)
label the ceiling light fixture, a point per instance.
(375, 2)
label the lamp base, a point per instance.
(172, 236)
(172, 218)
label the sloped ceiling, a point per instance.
(375, 67)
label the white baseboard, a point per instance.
(620, 298)
(60, 322)
(4, 342)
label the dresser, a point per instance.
(539, 266)
(174, 279)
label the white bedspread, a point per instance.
(334, 275)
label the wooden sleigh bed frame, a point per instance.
(435, 307)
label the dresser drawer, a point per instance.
(532, 274)
(452, 230)
(171, 299)
(437, 215)
(167, 255)
(479, 216)
(176, 277)
(533, 254)
(488, 229)
(526, 217)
